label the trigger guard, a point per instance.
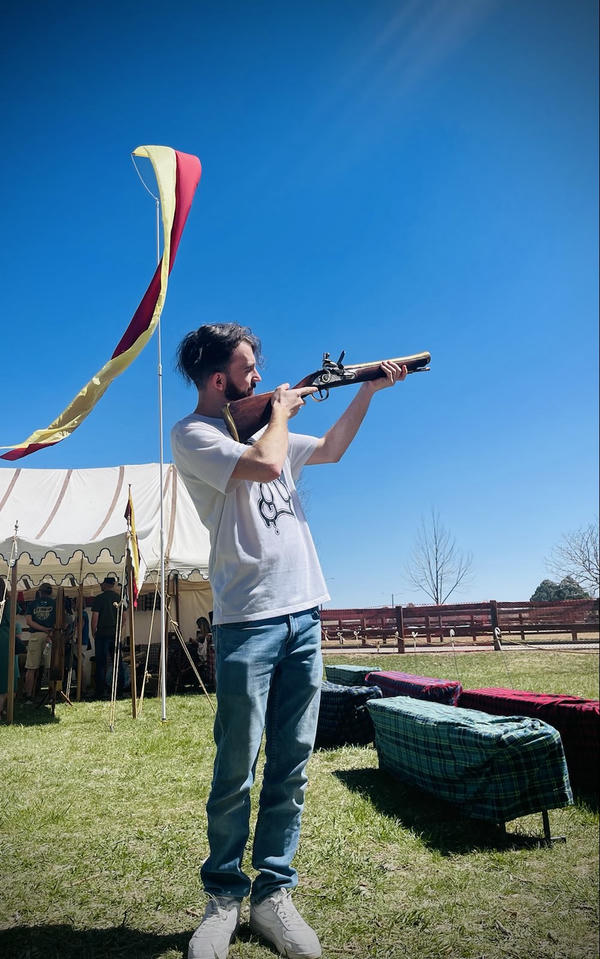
(323, 395)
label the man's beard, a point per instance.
(232, 392)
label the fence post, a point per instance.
(494, 618)
(427, 629)
(400, 628)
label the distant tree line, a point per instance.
(575, 559)
(548, 591)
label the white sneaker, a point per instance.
(217, 930)
(277, 919)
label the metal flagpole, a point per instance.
(163, 638)
(163, 597)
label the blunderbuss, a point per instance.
(244, 417)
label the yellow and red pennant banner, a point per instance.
(177, 175)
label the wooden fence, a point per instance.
(466, 620)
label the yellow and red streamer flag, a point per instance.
(133, 548)
(177, 175)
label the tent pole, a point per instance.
(57, 655)
(79, 642)
(176, 582)
(10, 702)
(132, 669)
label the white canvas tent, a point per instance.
(72, 531)
(71, 523)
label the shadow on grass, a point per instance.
(37, 714)
(586, 798)
(64, 942)
(439, 824)
(60, 941)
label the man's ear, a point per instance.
(218, 381)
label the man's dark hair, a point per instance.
(208, 350)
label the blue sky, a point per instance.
(383, 178)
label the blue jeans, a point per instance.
(268, 679)
(104, 647)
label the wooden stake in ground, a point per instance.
(57, 656)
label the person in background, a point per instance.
(41, 617)
(105, 614)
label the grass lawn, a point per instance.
(102, 835)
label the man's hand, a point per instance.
(263, 461)
(393, 374)
(290, 401)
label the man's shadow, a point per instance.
(118, 942)
(63, 942)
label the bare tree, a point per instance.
(437, 566)
(576, 555)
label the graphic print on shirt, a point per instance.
(274, 501)
(43, 612)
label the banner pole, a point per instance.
(163, 598)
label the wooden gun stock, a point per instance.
(245, 417)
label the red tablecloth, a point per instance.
(577, 720)
(394, 683)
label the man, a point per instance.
(105, 610)
(267, 586)
(40, 618)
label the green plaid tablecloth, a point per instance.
(346, 675)
(343, 716)
(494, 767)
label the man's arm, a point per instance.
(331, 447)
(263, 461)
(94, 624)
(37, 627)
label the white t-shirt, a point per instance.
(263, 561)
